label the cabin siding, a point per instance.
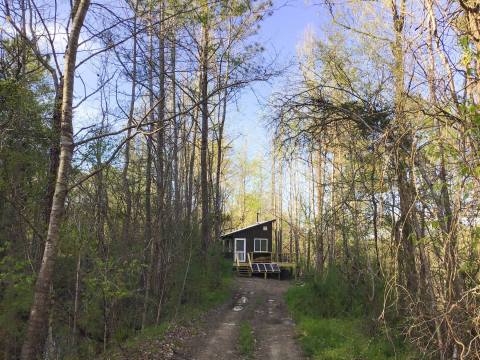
(250, 234)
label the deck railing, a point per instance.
(283, 258)
(253, 257)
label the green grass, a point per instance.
(246, 340)
(344, 339)
(336, 322)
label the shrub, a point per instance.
(336, 320)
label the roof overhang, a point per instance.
(246, 228)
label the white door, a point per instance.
(240, 249)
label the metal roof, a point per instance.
(247, 227)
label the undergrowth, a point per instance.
(337, 320)
(208, 284)
(246, 340)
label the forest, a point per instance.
(119, 169)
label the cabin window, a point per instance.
(260, 245)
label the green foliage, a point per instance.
(334, 296)
(346, 339)
(246, 340)
(29, 74)
(337, 320)
(23, 136)
(148, 334)
(24, 139)
(208, 283)
(468, 54)
(15, 301)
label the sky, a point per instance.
(279, 34)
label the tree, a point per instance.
(37, 324)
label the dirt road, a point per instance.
(263, 307)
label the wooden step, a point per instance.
(244, 274)
(244, 271)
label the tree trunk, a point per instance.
(54, 151)
(76, 298)
(280, 205)
(221, 125)
(403, 172)
(218, 192)
(375, 214)
(176, 123)
(191, 172)
(38, 321)
(205, 228)
(148, 183)
(159, 239)
(472, 14)
(126, 182)
(335, 190)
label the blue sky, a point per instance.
(280, 34)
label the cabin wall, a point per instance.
(250, 234)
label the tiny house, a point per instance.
(252, 250)
(254, 239)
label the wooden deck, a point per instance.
(284, 262)
(282, 265)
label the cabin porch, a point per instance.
(264, 263)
